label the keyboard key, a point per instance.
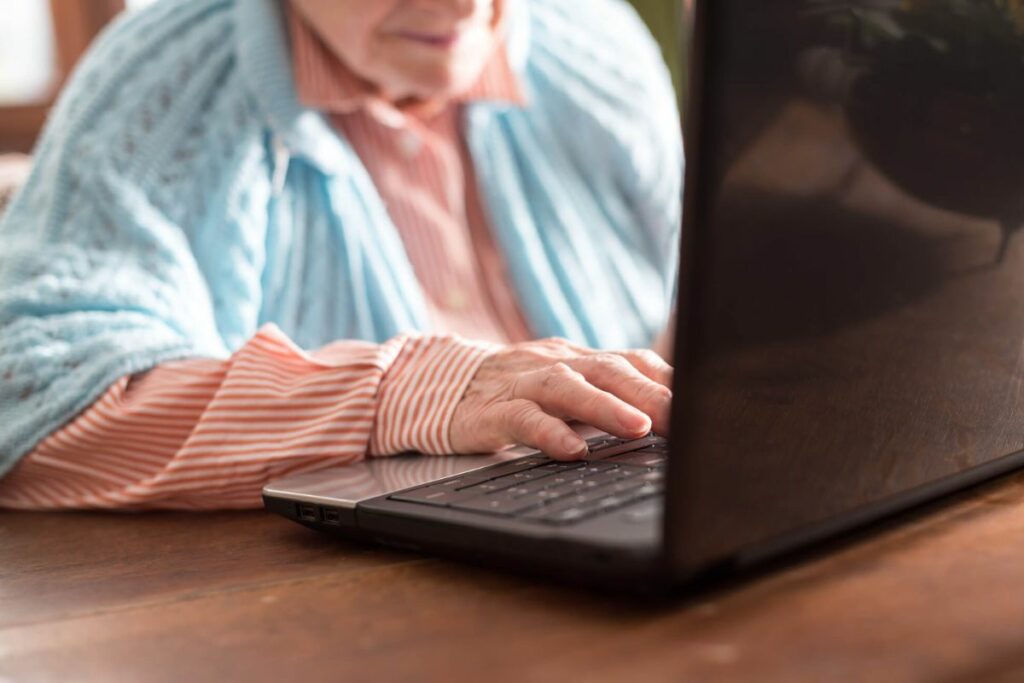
(569, 511)
(521, 470)
(527, 475)
(644, 513)
(594, 501)
(497, 503)
(517, 480)
(434, 495)
(556, 467)
(643, 458)
(536, 486)
(570, 514)
(588, 496)
(599, 443)
(571, 486)
(612, 501)
(650, 490)
(518, 491)
(606, 477)
(623, 486)
(597, 467)
(593, 485)
(610, 448)
(560, 479)
(608, 441)
(547, 511)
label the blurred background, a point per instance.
(40, 41)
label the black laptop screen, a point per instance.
(855, 268)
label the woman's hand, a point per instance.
(526, 392)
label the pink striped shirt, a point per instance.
(199, 434)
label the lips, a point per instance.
(438, 40)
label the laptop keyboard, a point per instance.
(539, 489)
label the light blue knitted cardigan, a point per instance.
(182, 197)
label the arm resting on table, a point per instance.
(203, 434)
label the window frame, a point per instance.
(75, 24)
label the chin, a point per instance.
(439, 86)
(442, 78)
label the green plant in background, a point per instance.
(665, 20)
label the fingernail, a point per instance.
(635, 424)
(574, 445)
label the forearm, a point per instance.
(208, 434)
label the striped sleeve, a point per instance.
(204, 434)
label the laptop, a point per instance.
(850, 316)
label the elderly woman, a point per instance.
(264, 236)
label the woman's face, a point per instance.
(422, 49)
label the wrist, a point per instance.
(419, 393)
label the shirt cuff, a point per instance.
(420, 391)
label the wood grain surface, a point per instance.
(934, 596)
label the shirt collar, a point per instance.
(325, 83)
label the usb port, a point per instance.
(307, 512)
(332, 516)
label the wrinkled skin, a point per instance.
(525, 393)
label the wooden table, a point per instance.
(935, 596)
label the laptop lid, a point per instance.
(851, 317)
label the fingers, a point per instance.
(526, 422)
(563, 347)
(529, 391)
(615, 374)
(652, 365)
(561, 390)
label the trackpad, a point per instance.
(379, 476)
(373, 477)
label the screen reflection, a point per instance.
(856, 318)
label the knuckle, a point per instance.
(557, 342)
(557, 347)
(561, 367)
(656, 394)
(555, 377)
(560, 372)
(647, 356)
(563, 381)
(533, 358)
(612, 361)
(548, 382)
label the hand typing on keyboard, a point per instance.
(525, 393)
